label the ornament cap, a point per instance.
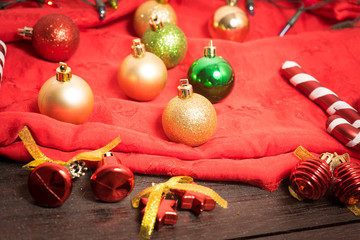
(108, 154)
(63, 73)
(138, 49)
(231, 2)
(185, 90)
(210, 51)
(155, 23)
(26, 32)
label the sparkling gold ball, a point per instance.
(149, 9)
(230, 23)
(142, 78)
(191, 121)
(70, 101)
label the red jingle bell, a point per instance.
(50, 184)
(112, 181)
(346, 182)
(310, 179)
(55, 37)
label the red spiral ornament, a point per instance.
(346, 182)
(311, 178)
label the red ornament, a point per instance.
(112, 181)
(55, 37)
(166, 213)
(195, 201)
(346, 182)
(310, 179)
(50, 184)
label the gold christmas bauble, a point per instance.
(148, 9)
(189, 118)
(66, 97)
(142, 75)
(229, 22)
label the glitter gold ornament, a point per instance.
(229, 22)
(55, 37)
(166, 41)
(211, 76)
(151, 8)
(66, 97)
(142, 75)
(189, 118)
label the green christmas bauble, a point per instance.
(165, 40)
(211, 76)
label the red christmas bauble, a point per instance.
(310, 179)
(346, 182)
(50, 184)
(55, 37)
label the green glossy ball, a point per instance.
(168, 43)
(212, 77)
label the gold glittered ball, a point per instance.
(191, 121)
(71, 101)
(145, 11)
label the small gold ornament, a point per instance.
(229, 22)
(142, 75)
(148, 9)
(189, 118)
(66, 97)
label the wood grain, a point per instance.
(252, 213)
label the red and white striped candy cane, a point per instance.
(343, 131)
(2, 58)
(324, 97)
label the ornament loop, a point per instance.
(185, 89)
(63, 73)
(155, 23)
(138, 49)
(26, 32)
(210, 51)
(232, 2)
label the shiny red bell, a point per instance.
(311, 178)
(112, 181)
(50, 184)
(346, 182)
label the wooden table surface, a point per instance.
(252, 213)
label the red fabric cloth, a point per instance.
(260, 124)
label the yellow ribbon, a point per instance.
(302, 153)
(40, 157)
(155, 194)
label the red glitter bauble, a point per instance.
(311, 178)
(346, 182)
(55, 37)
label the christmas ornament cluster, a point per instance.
(190, 117)
(313, 177)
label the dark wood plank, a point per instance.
(252, 213)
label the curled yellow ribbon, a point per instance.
(155, 194)
(302, 153)
(40, 157)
